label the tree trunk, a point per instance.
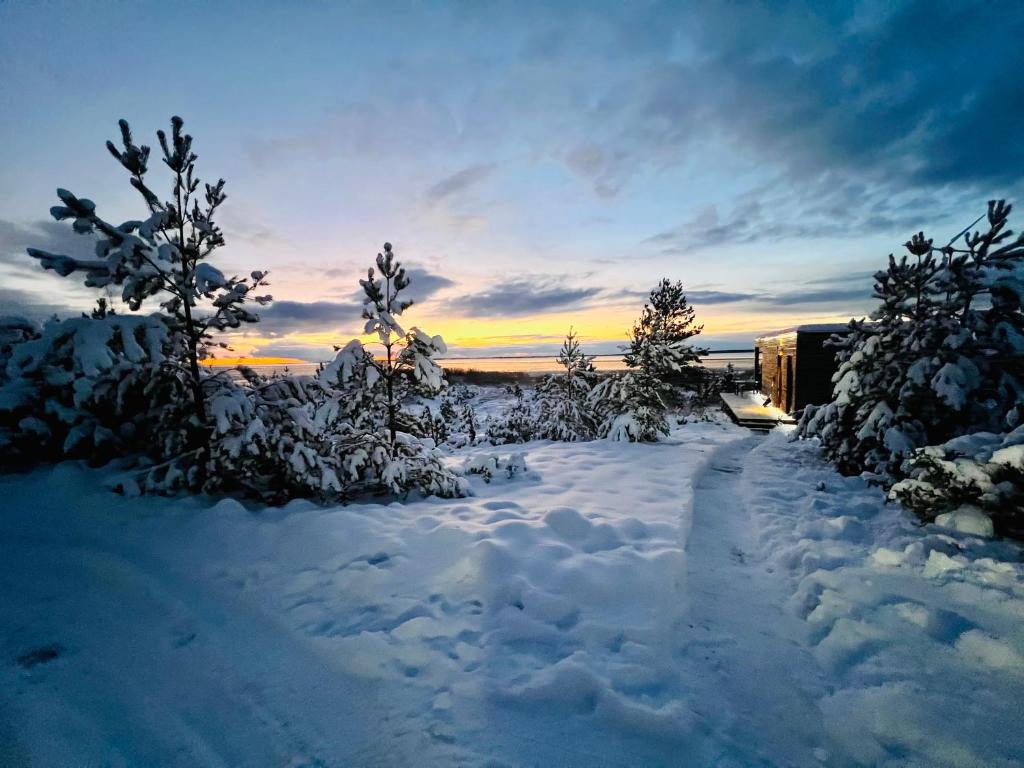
(193, 359)
(392, 418)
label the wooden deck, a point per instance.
(747, 411)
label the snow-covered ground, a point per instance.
(721, 598)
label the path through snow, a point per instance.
(756, 680)
(718, 599)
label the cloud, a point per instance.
(694, 296)
(34, 306)
(812, 89)
(424, 284)
(460, 181)
(845, 296)
(241, 223)
(523, 296)
(826, 208)
(794, 90)
(283, 317)
(608, 169)
(314, 353)
(718, 297)
(29, 289)
(865, 92)
(46, 235)
(835, 293)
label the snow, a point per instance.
(809, 328)
(916, 628)
(720, 598)
(967, 519)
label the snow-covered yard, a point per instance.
(720, 598)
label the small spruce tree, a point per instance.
(563, 410)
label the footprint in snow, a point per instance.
(497, 506)
(44, 654)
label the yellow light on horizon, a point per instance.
(231, 362)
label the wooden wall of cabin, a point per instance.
(767, 352)
(773, 358)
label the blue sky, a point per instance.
(539, 165)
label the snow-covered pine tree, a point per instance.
(408, 357)
(874, 420)
(563, 408)
(376, 452)
(632, 405)
(942, 358)
(165, 255)
(659, 341)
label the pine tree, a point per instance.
(632, 406)
(658, 339)
(563, 410)
(469, 416)
(165, 255)
(377, 450)
(942, 358)
(406, 355)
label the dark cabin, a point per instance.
(794, 367)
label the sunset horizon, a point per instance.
(557, 197)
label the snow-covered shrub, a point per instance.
(491, 465)
(518, 422)
(274, 439)
(95, 387)
(943, 357)
(13, 331)
(983, 471)
(558, 408)
(562, 404)
(631, 406)
(433, 426)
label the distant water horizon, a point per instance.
(531, 364)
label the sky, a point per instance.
(536, 165)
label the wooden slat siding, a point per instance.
(813, 366)
(769, 354)
(814, 374)
(773, 379)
